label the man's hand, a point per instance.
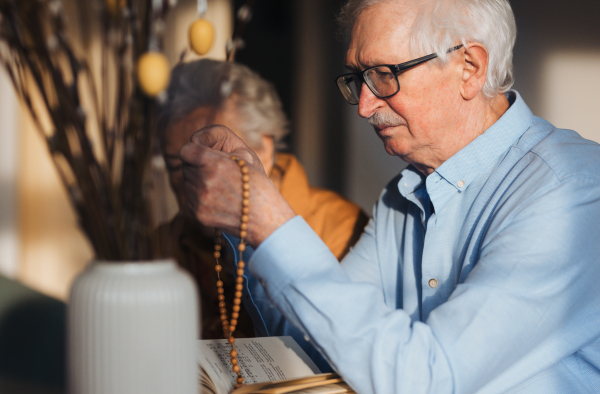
(213, 185)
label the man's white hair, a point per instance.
(442, 24)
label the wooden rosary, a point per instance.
(229, 325)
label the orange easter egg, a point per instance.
(153, 72)
(201, 35)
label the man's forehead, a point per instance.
(381, 34)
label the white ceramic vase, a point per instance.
(132, 328)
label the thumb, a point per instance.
(221, 138)
(218, 137)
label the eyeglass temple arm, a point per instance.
(423, 59)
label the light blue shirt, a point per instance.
(497, 290)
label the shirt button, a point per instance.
(460, 183)
(433, 283)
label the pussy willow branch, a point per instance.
(244, 15)
(107, 190)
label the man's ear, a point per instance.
(474, 72)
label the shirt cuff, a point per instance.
(291, 252)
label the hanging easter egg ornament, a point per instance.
(201, 33)
(153, 72)
(201, 36)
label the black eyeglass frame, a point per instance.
(395, 68)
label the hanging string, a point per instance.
(202, 8)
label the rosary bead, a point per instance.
(230, 325)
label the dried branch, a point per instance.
(104, 184)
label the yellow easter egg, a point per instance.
(153, 72)
(201, 35)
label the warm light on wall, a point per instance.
(571, 91)
(9, 116)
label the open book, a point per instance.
(273, 365)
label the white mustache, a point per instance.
(386, 119)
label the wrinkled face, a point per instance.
(180, 133)
(419, 122)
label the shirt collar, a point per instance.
(458, 172)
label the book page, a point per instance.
(260, 359)
(328, 383)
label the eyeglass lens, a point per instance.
(381, 81)
(350, 87)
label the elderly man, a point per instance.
(479, 271)
(252, 109)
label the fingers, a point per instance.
(216, 138)
(213, 185)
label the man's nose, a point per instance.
(368, 103)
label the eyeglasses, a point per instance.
(382, 80)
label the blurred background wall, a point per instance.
(292, 43)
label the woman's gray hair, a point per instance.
(441, 24)
(209, 83)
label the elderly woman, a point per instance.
(206, 92)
